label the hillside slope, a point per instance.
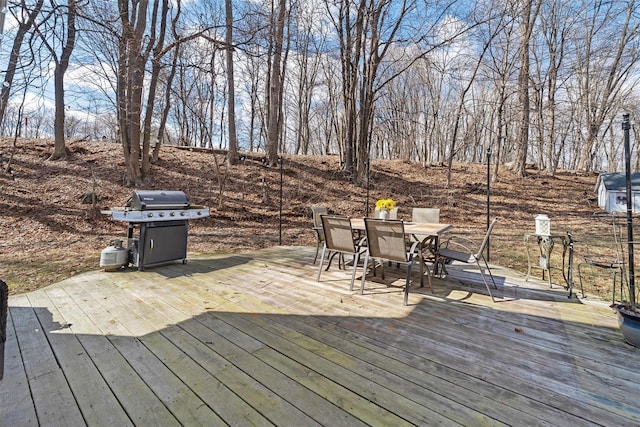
(48, 233)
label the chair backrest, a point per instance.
(393, 213)
(316, 211)
(613, 251)
(386, 239)
(338, 234)
(485, 241)
(429, 215)
(619, 228)
(621, 238)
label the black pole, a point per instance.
(280, 217)
(570, 267)
(366, 207)
(488, 196)
(627, 165)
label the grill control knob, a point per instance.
(161, 214)
(150, 215)
(172, 213)
(182, 213)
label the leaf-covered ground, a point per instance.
(50, 233)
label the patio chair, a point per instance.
(386, 241)
(316, 211)
(457, 248)
(614, 260)
(425, 215)
(430, 215)
(429, 244)
(338, 240)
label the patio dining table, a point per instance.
(427, 233)
(431, 230)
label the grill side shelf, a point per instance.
(157, 215)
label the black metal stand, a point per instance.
(366, 206)
(570, 267)
(546, 244)
(4, 311)
(627, 163)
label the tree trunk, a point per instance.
(232, 154)
(59, 146)
(156, 66)
(131, 79)
(135, 49)
(275, 85)
(167, 105)
(522, 145)
(60, 149)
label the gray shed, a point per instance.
(611, 188)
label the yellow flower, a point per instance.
(386, 204)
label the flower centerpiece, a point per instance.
(384, 206)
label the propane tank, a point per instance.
(114, 256)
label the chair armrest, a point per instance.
(459, 241)
(414, 247)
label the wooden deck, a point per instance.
(253, 339)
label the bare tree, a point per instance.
(167, 96)
(72, 127)
(350, 34)
(390, 83)
(365, 40)
(276, 78)
(232, 155)
(307, 60)
(133, 56)
(470, 80)
(556, 30)
(137, 43)
(59, 19)
(499, 70)
(25, 15)
(158, 52)
(607, 60)
(528, 17)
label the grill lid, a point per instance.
(152, 200)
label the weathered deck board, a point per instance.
(254, 339)
(137, 400)
(95, 400)
(50, 391)
(16, 404)
(389, 393)
(436, 381)
(249, 365)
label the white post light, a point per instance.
(543, 225)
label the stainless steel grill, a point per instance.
(162, 220)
